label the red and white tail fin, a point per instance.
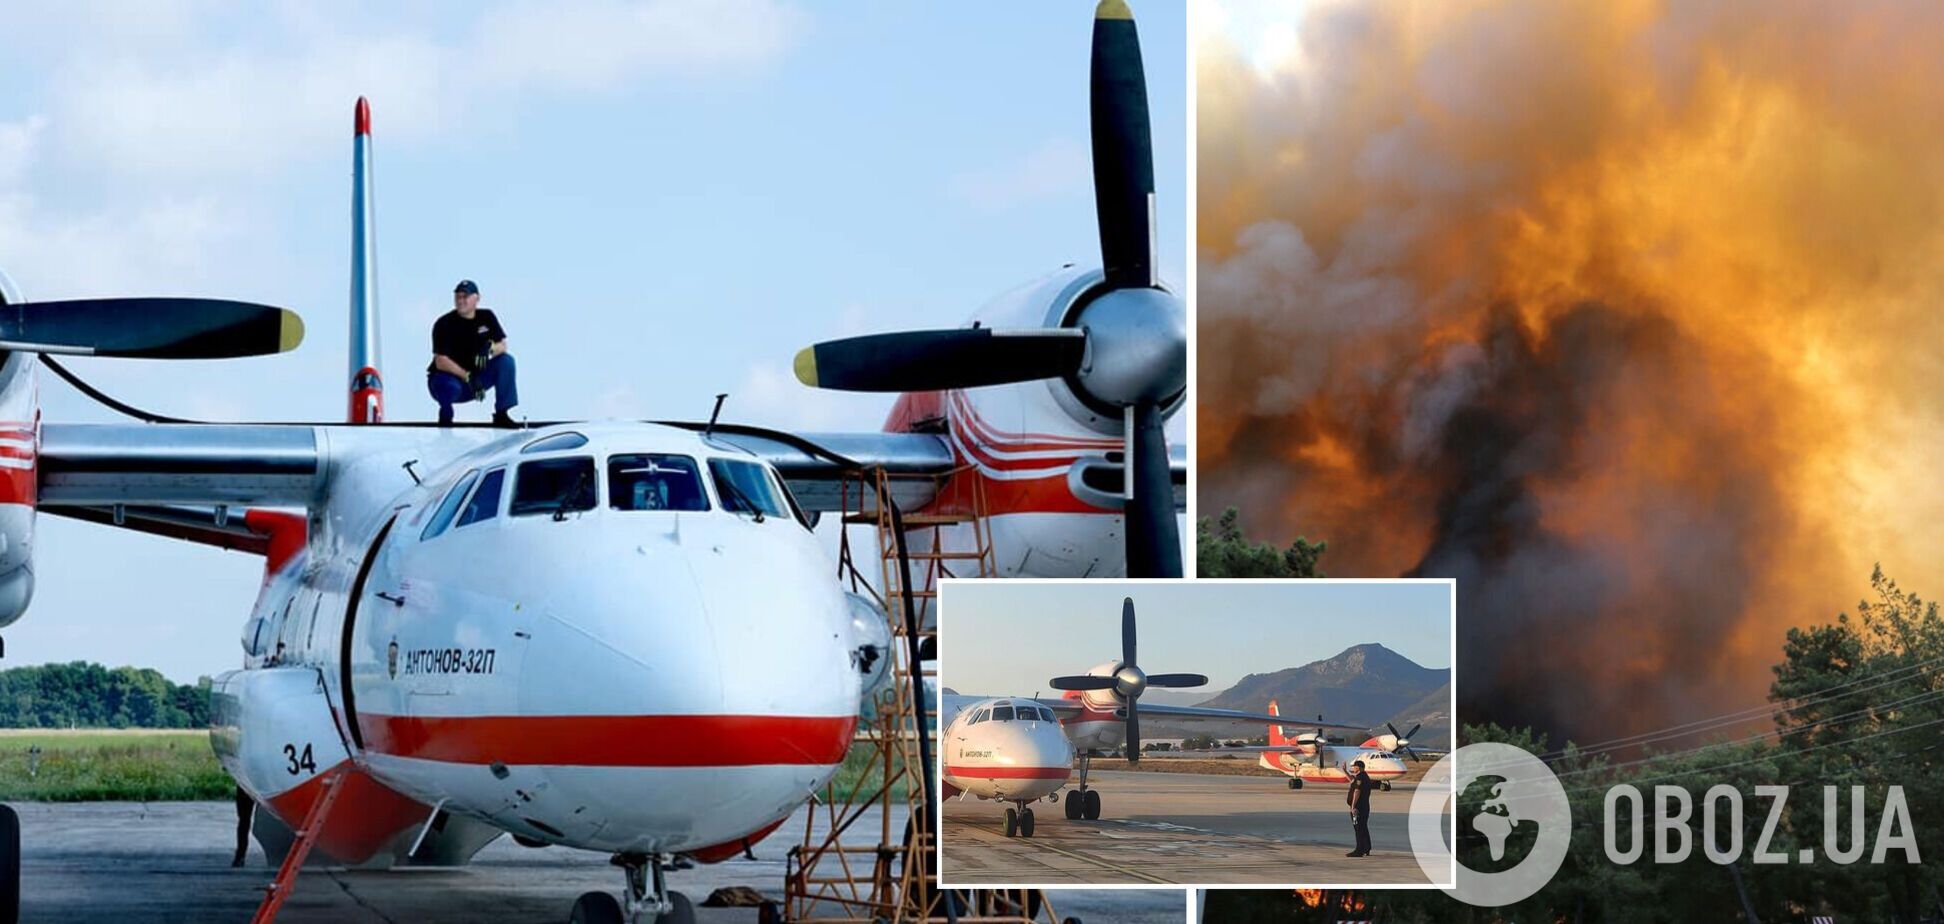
(367, 386)
(1276, 738)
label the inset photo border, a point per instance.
(1035, 680)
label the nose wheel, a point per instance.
(1295, 783)
(1019, 821)
(646, 898)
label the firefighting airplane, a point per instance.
(549, 631)
(1020, 750)
(1313, 757)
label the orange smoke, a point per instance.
(1628, 315)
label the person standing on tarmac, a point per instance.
(469, 358)
(1358, 798)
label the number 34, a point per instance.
(299, 762)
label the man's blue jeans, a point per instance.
(449, 389)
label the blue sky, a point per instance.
(1007, 637)
(663, 200)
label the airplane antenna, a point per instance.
(710, 429)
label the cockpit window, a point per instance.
(558, 442)
(651, 481)
(554, 486)
(485, 501)
(745, 487)
(449, 506)
(981, 716)
(1002, 714)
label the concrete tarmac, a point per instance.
(1184, 828)
(169, 862)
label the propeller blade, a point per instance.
(1127, 631)
(935, 360)
(1153, 540)
(1133, 730)
(1414, 730)
(150, 328)
(1081, 682)
(1177, 680)
(1123, 156)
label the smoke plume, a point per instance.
(1630, 316)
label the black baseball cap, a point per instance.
(467, 286)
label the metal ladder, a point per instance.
(280, 888)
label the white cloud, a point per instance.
(208, 107)
(1058, 167)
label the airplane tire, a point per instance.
(1026, 823)
(596, 908)
(1012, 822)
(1387, 785)
(9, 865)
(1295, 783)
(1073, 808)
(1091, 810)
(682, 913)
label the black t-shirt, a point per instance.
(465, 341)
(1358, 798)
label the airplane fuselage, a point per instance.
(621, 676)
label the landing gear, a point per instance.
(9, 865)
(1025, 822)
(646, 898)
(1083, 802)
(1295, 783)
(1386, 785)
(1012, 822)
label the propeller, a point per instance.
(150, 328)
(1123, 348)
(1404, 740)
(1128, 681)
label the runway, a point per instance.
(1178, 828)
(169, 862)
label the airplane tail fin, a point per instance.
(367, 386)
(1276, 738)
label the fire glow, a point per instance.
(1630, 316)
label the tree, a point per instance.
(1226, 552)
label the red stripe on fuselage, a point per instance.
(1009, 773)
(613, 740)
(365, 816)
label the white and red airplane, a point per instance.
(552, 631)
(1312, 757)
(1019, 750)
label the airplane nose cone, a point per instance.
(703, 704)
(1130, 681)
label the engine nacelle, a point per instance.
(19, 473)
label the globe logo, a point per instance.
(1509, 798)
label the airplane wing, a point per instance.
(1067, 708)
(1232, 715)
(272, 465)
(815, 464)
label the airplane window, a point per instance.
(485, 501)
(649, 481)
(448, 507)
(554, 486)
(557, 441)
(744, 487)
(981, 716)
(1002, 714)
